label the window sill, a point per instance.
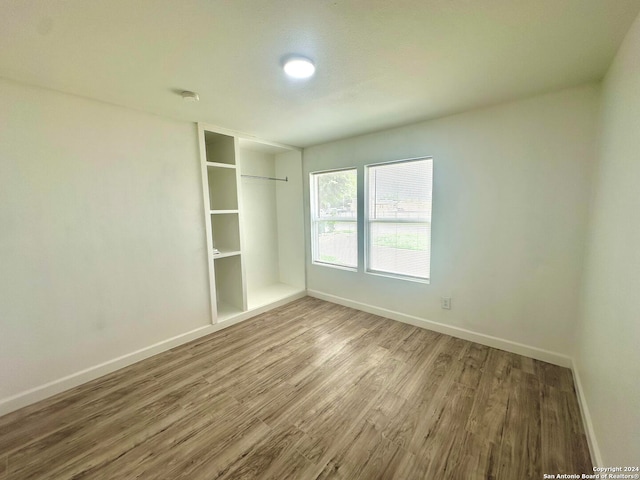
(339, 267)
(395, 276)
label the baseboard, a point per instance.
(57, 386)
(594, 450)
(488, 340)
(60, 385)
(65, 383)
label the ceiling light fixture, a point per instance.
(188, 96)
(299, 67)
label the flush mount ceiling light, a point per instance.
(299, 67)
(188, 96)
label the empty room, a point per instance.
(319, 239)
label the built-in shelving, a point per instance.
(220, 149)
(223, 189)
(224, 254)
(229, 286)
(225, 232)
(254, 223)
(227, 312)
(219, 165)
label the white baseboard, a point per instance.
(500, 343)
(594, 450)
(36, 394)
(60, 385)
(47, 390)
(488, 340)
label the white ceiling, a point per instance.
(380, 63)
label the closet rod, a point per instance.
(285, 179)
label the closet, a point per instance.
(254, 222)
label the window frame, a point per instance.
(315, 219)
(368, 222)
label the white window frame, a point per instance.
(316, 219)
(368, 223)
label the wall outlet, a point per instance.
(445, 302)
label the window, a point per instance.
(334, 213)
(398, 223)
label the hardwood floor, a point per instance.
(309, 390)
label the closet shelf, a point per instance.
(224, 254)
(220, 165)
(222, 212)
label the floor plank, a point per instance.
(308, 390)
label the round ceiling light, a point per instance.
(299, 67)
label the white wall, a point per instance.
(290, 219)
(102, 243)
(608, 344)
(511, 188)
(259, 218)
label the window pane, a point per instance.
(337, 243)
(399, 217)
(334, 210)
(401, 190)
(400, 248)
(337, 193)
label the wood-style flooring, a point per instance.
(309, 390)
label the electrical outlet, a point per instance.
(445, 302)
